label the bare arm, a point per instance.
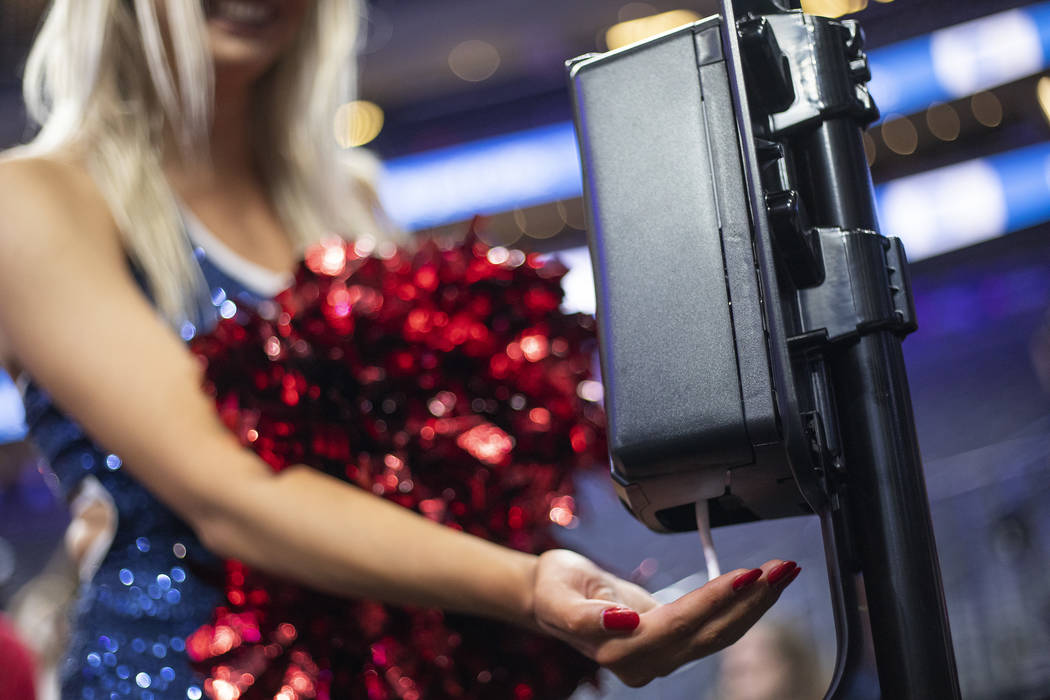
(76, 321)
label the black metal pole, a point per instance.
(887, 496)
(886, 490)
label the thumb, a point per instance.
(598, 619)
(618, 619)
(578, 619)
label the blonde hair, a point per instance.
(99, 80)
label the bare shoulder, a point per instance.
(45, 200)
(50, 211)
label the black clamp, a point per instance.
(865, 288)
(783, 52)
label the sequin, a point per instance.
(150, 542)
(393, 332)
(464, 407)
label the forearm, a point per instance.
(316, 530)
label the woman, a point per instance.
(168, 124)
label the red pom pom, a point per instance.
(445, 380)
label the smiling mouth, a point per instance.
(242, 14)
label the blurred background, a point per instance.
(465, 101)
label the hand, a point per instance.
(640, 639)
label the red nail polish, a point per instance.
(744, 580)
(778, 573)
(793, 576)
(619, 619)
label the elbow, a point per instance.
(225, 514)
(219, 529)
(220, 532)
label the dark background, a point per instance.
(979, 365)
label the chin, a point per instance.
(251, 35)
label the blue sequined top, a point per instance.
(157, 583)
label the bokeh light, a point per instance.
(540, 222)
(943, 121)
(900, 135)
(571, 213)
(833, 8)
(474, 60)
(635, 10)
(357, 123)
(1042, 91)
(987, 109)
(624, 33)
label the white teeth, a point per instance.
(245, 12)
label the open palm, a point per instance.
(572, 596)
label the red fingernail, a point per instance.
(780, 572)
(793, 576)
(745, 580)
(620, 619)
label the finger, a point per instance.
(617, 607)
(620, 619)
(701, 621)
(690, 611)
(732, 621)
(760, 586)
(606, 586)
(634, 596)
(697, 624)
(585, 607)
(588, 623)
(674, 625)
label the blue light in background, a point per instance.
(542, 165)
(961, 60)
(1024, 176)
(965, 203)
(932, 212)
(903, 79)
(489, 176)
(12, 415)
